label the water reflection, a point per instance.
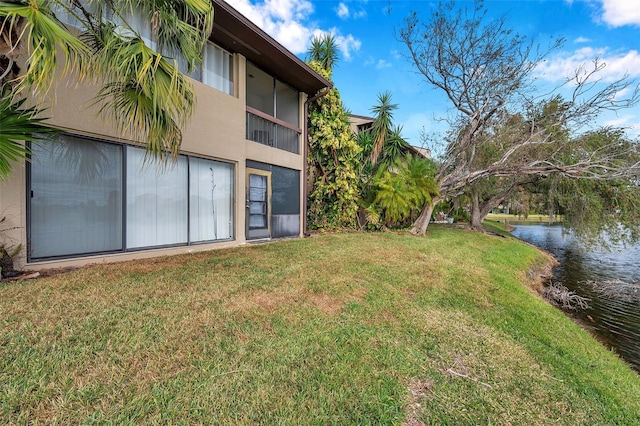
(615, 320)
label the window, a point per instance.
(136, 25)
(88, 197)
(183, 66)
(218, 68)
(156, 202)
(75, 198)
(211, 195)
(67, 15)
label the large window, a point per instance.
(156, 201)
(217, 65)
(75, 198)
(89, 197)
(211, 209)
(216, 70)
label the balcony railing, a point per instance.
(268, 130)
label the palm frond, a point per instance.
(43, 35)
(146, 95)
(17, 126)
(324, 51)
(382, 125)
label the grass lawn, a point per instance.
(338, 329)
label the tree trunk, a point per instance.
(476, 214)
(551, 204)
(422, 222)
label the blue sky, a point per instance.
(372, 60)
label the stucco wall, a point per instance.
(216, 130)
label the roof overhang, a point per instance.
(236, 33)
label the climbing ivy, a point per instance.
(332, 163)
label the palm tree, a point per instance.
(141, 86)
(382, 126)
(405, 187)
(394, 147)
(17, 125)
(324, 51)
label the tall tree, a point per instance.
(597, 210)
(141, 86)
(332, 152)
(389, 170)
(500, 134)
(382, 131)
(487, 73)
(324, 52)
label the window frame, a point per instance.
(123, 203)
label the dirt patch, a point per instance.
(419, 390)
(271, 301)
(541, 272)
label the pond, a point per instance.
(613, 316)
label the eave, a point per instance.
(236, 33)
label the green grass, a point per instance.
(339, 329)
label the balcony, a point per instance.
(268, 130)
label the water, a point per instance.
(614, 320)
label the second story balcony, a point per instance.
(273, 111)
(271, 131)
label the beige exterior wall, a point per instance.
(216, 131)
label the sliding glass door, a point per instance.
(88, 197)
(211, 200)
(156, 201)
(75, 198)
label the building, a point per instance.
(89, 198)
(361, 123)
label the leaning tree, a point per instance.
(487, 73)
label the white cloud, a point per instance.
(359, 14)
(617, 65)
(617, 13)
(581, 40)
(342, 11)
(383, 64)
(347, 45)
(289, 22)
(627, 120)
(379, 64)
(621, 94)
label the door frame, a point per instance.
(255, 234)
